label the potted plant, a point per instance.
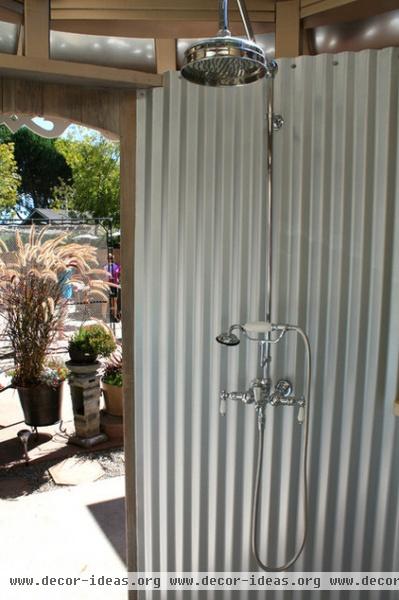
(111, 384)
(91, 341)
(44, 406)
(33, 303)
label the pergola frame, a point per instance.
(168, 20)
(105, 98)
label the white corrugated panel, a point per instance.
(201, 260)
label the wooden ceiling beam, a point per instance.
(166, 55)
(58, 71)
(21, 41)
(355, 11)
(155, 15)
(151, 29)
(150, 5)
(311, 7)
(37, 28)
(89, 107)
(12, 10)
(288, 28)
(9, 16)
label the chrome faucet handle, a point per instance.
(223, 403)
(284, 387)
(301, 411)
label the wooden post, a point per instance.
(287, 28)
(127, 128)
(37, 28)
(21, 40)
(165, 51)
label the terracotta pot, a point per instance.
(113, 398)
(41, 404)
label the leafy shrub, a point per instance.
(112, 372)
(93, 339)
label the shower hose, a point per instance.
(256, 496)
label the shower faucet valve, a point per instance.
(261, 392)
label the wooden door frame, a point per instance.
(102, 98)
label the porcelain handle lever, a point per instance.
(223, 403)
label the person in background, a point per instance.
(113, 269)
(117, 260)
(67, 293)
(67, 288)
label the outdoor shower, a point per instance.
(225, 60)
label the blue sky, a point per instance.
(75, 131)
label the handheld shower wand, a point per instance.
(262, 393)
(256, 497)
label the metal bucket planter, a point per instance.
(113, 398)
(41, 404)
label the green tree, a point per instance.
(94, 162)
(40, 165)
(9, 178)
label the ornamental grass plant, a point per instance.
(33, 305)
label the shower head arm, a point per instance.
(224, 19)
(242, 7)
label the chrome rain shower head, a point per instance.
(225, 60)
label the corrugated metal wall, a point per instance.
(201, 259)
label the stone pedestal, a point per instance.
(84, 382)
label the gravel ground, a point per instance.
(36, 477)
